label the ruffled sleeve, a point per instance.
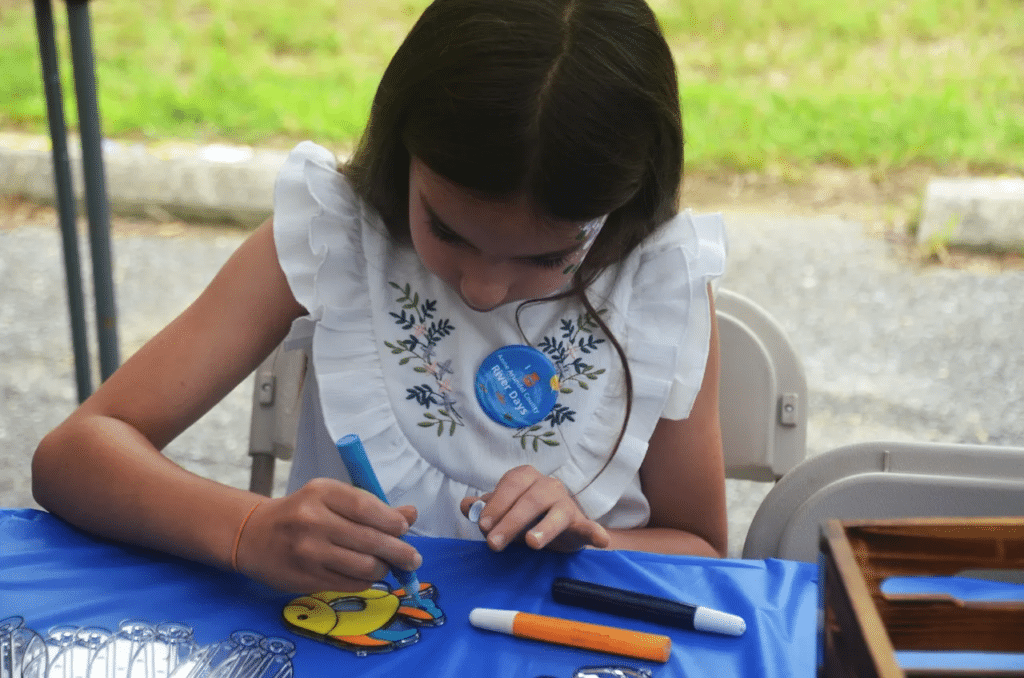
(663, 290)
(316, 215)
(691, 256)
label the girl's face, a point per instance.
(491, 252)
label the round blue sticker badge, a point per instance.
(517, 386)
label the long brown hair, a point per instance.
(573, 103)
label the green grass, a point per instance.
(878, 84)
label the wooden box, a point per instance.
(861, 627)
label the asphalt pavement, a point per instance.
(893, 350)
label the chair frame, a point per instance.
(879, 479)
(762, 392)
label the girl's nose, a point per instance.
(484, 286)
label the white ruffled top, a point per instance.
(394, 354)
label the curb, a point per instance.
(974, 213)
(214, 183)
(235, 185)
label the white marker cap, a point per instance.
(715, 621)
(476, 509)
(492, 620)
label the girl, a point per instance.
(497, 295)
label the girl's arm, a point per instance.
(683, 477)
(102, 469)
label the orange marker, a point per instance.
(574, 633)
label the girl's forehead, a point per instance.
(451, 201)
(507, 228)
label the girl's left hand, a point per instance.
(538, 509)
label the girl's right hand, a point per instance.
(327, 536)
(537, 509)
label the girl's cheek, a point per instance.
(553, 283)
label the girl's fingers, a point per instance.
(599, 537)
(370, 526)
(409, 512)
(565, 528)
(530, 507)
(325, 536)
(369, 546)
(554, 523)
(467, 502)
(511, 488)
(541, 509)
(360, 506)
(355, 574)
(537, 508)
(519, 502)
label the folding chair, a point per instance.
(876, 480)
(762, 392)
(273, 427)
(762, 399)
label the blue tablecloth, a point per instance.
(52, 573)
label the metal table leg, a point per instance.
(65, 195)
(97, 205)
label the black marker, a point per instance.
(648, 608)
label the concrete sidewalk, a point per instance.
(891, 350)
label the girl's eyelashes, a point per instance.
(549, 262)
(440, 231)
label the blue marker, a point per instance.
(353, 454)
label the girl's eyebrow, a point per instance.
(544, 255)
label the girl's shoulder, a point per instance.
(322, 228)
(309, 179)
(667, 319)
(701, 236)
(689, 249)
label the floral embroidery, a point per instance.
(577, 341)
(566, 353)
(426, 331)
(421, 346)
